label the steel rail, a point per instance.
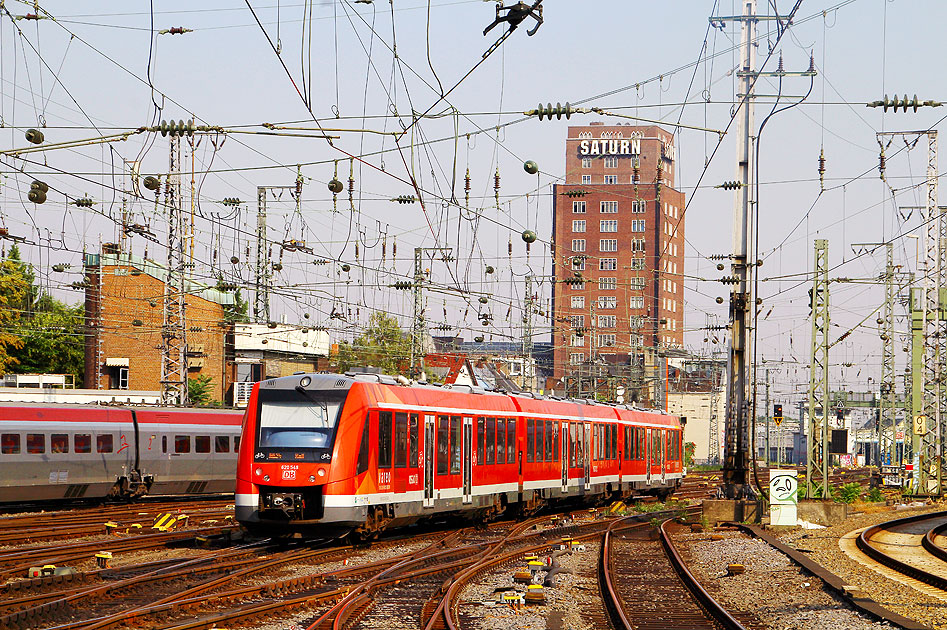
(864, 544)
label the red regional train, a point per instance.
(62, 451)
(326, 454)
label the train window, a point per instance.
(361, 465)
(642, 444)
(626, 442)
(202, 444)
(182, 443)
(597, 447)
(413, 441)
(555, 440)
(104, 443)
(222, 444)
(401, 440)
(164, 443)
(511, 441)
(491, 436)
(549, 441)
(614, 429)
(580, 444)
(501, 440)
(10, 443)
(384, 439)
(540, 439)
(59, 443)
(572, 444)
(35, 443)
(443, 446)
(530, 438)
(481, 453)
(236, 444)
(82, 442)
(455, 445)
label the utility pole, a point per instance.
(174, 322)
(264, 270)
(766, 408)
(528, 334)
(418, 327)
(817, 444)
(886, 418)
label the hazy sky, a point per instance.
(88, 74)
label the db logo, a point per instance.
(289, 475)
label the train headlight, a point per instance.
(304, 381)
(321, 472)
(312, 478)
(258, 472)
(266, 477)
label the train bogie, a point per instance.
(377, 454)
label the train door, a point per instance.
(564, 454)
(428, 461)
(648, 444)
(663, 447)
(587, 463)
(468, 458)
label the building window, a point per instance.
(586, 162)
(609, 207)
(578, 301)
(637, 244)
(606, 341)
(578, 226)
(578, 244)
(639, 206)
(608, 264)
(577, 341)
(577, 321)
(611, 179)
(579, 286)
(586, 179)
(576, 358)
(578, 263)
(608, 245)
(607, 284)
(637, 301)
(636, 340)
(606, 321)
(635, 321)
(578, 207)
(608, 302)
(608, 226)
(637, 263)
(637, 284)
(637, 225)
(611, 161)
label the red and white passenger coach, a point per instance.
(331, 454)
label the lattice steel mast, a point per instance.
(174, 324)
(817, 443)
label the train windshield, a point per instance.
(299, 423)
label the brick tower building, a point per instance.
(618, 243)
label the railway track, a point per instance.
(646, 585)
(912, 546)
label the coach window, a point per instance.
(82, 442)
(10, 443)
(413, 441)
(236, 444)
(555, 440)
(222, 444)
(401, 439)
(202, 444)
(35, 443)
(491, 437)
(530, 438)
(59, 443)
(455, 445)
(642, 444)
(104, 443)
(614, 431)
(511, 441)
(384, 439)
(540, 440)
(361, 464)
(164, 443)
(501, 440)
(443, 446)
(549, 441)
(182, 443)
(481, 455)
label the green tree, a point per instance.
(198, 391)
(383, 345)
(52, 339)
(15, 300)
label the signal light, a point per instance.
(777, 411)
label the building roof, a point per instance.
(158, 272)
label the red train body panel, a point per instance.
(329, 453)
(61, 451)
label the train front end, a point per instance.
(292, 450)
